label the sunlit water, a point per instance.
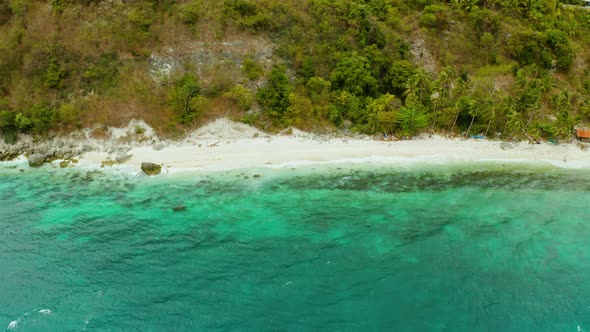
(356, 248)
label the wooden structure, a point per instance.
(583, 135)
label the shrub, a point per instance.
(398, 76)
(319, 89)
(252, 69)
(18, 7)
(182, 98)
(54, 75)
(241, 96)
(189, 13)
(435, 17)
(274, 96)
(381, 114)
(102, 73)
(353, 74)
(142, 17)
(345, 106)
(564, 55)
(40, 118)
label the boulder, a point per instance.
(123, 158)
(36, 159)
(158, 146)
(63, 164)
(506, 146)
(151, 168)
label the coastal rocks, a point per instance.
(179, 208)
(107, 163)
(123, 158)
(158, 146)
(204, 57)
(506, 146)
(37, 159)
(151, 168)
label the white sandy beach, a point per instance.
(223, 145)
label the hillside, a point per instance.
(505, 68)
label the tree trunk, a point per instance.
(455, 121)
(469, 128)
(488, 127)
(435, 114)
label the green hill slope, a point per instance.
(492, 67)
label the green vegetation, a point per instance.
(398, 67)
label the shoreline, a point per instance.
(226, 145)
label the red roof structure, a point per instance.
(583, 133)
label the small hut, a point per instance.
(583, 135)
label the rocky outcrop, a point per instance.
(204, 56)
(37, 159)
(506, 146)
(151, 168)
(123, 158)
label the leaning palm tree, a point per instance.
(418, 85)
(441, 90)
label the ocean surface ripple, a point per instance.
(348, 248)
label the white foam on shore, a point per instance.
(226, 145)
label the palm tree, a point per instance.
(442, 88)
(418, 84)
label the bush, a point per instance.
(54, 75)
(241, 96)
(103, 72)
(353, 74)
(189, 13)
(485, 21)
(345, 106)
(183, 98)
(399, 74)
(142, 17)
(564, 55)
(40, 118)
(274, 96)
(252, 69)
(381, 114)
(18, 7)
(248, 15)
(435, 17)
(319, 89)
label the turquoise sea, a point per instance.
(483, 247)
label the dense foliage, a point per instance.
(396, 67)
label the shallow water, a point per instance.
(438, 248)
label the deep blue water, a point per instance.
(356, 248)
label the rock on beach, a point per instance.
(36, 159)
(151, 168)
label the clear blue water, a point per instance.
(359, 248)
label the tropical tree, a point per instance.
(418, 85)
(441, 90)
(353, 74)
(413, 117)
(274, 96)
(182, 96)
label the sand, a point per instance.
(225, 145)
